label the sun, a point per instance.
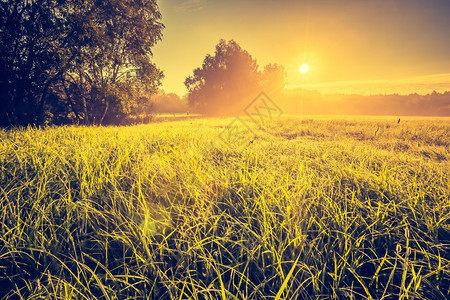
(304, 68)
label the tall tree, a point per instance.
(90, 56)
(32, 56)
(114, 56)
(225, 82)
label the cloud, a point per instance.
(191, 5)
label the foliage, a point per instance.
(169, 103)
(33, 40)
(315, 103)
(227, 81)
(273, 78)
(315, 208)
(93, 57)
(114, 59)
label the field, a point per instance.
(300, 208)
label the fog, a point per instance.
(304, 102)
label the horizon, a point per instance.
(423, 85)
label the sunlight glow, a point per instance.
(304, 68)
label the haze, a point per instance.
(349, 46)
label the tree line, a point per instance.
(303, 102)
(76, 61)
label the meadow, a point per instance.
(300, 208)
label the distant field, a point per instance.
(175, 117)
(299, 208)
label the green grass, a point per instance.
(313, 208)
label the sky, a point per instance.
(364, 46)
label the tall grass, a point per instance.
(306, 209)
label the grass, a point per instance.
(316, 208)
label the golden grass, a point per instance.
(302, 208)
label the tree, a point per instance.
(88, 57)
(225, 82)
(273, 78)
(32, 56)
(229, 80)
(113, 63)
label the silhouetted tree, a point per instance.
(228, 81)
(33, 54)
(273, 78)
(90, 58)
(225, 81)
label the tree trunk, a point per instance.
(40, 112)
(104, 113)
(72, 104)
